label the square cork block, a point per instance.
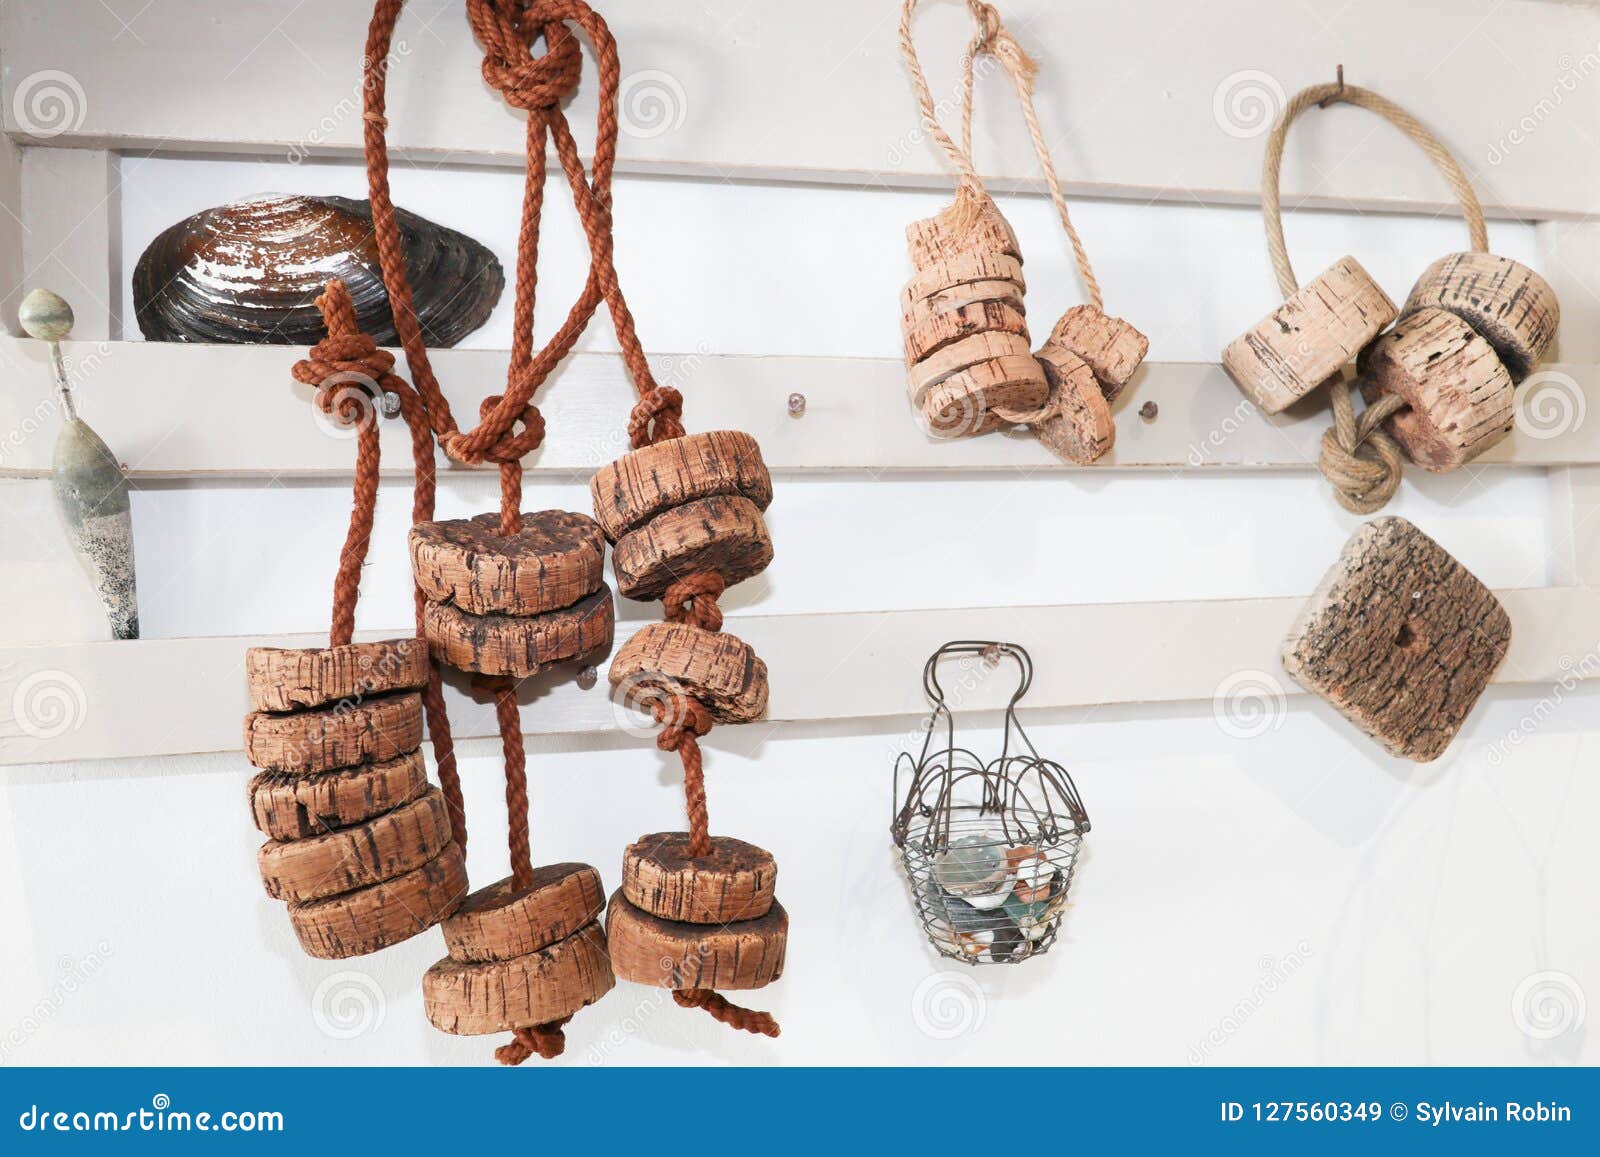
(1400, 638)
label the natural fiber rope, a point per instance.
(1363, 463)
(993, 39)
(351, 359)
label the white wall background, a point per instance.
(1287, 897)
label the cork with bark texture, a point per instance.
(672, 954)
(975, 400)
(1006, 293)
(930, 333)
(363, 921)
(472, 998)
(725, 534)
(943, 236)
(1112, 348)
(1079, 428)
(344, 735)
(285, 679)
(735, 882)
(1310, 337)
(501, 921)
(1400, 638)
(643, 483)
(970, 267)
(519, 645)
(723, 672)
(1506, 303)
(295, 807)
(973, 350)
(1462, 399)
(556, 559)
(380, 849)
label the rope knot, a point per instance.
(346, 367)
(694, 600)
(511, 446)
(683, 719)
(545, 1039)
(1363, 463)
(507, 30)
(656, 417)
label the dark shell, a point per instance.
(250, 272)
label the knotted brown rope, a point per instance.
(351, 375)
(1361, 461)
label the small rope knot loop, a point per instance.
(507, 30)
(346, 367)
(694, 600)
(547, 1040)
(1361, 461)
(512, 446)
(683, 720)
(656, 417)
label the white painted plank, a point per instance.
(12, 233)
(73, 244)
(173, 410)
(177, 696)
(1142, 98)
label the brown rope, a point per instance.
(547, 1040)
(723, 1009)
(1363, 463)
(507, 714)
(350, 374)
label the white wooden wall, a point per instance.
(1261, 886)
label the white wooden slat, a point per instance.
(11, 234)
(70, 202)
(178, 696)
(172, 410)
(1142, 98)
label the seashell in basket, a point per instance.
(249, 272)
(974, 866)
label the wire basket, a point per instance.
(988, 849)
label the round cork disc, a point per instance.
(363, 921)
(1079, 428)
(975, 400)
(369, 853)
(282, 679)
(468, 998)
(975, 350)
(556, 559)
(1461, 398)
(733, 883)
(295, 807)
(343, 735)
(519, 645)
(930, 334)
(966, 294)
(1506, 303)
(643, 483)
(500, 921)
(718, 669)
(671, 954)
(967, 268)
(725, 534)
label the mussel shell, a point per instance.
(250, 272)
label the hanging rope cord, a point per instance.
(1363, 463)
(993, 39)
(351, 375)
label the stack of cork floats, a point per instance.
(358, 843)
(969, 359)
(1440, 384)
(695, 912)
(512, 604)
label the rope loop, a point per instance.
(694, 600)
(507, 30)
(1358, 458)
(683, 719)
(656, 417)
